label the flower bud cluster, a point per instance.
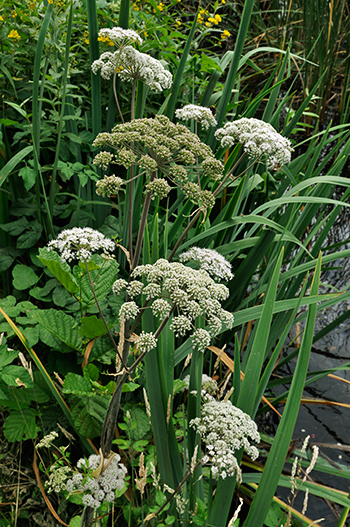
(259, 140)
(80, 243)
(201, 114)
(132, 64)
(98, 483)
(209, 260)
(109, 186)
(225, 429)
(159, 145)
(193, 293)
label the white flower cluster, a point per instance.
(132, 64)
(47, 440)
(209, 260)
(201, 114)
(193, 292)
(80, 243)
(120, 36)
(209, 385)
(225, 429)
(58, 478)
(259, 139)
(98, 483)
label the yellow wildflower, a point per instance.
(1, 19)
(106, 39)
(223, 1)
(225, 34)
(161, 6)
(217, 18)
(208, 24)
(145, 33)
(86, 37)
(135, 7)
(13, 14)
(14, 35)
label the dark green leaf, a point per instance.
(23, 277)
(21, 424)
(62, 326)
(88, 414)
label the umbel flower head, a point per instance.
(201, 114)
(225, 429)
(119, 36)
(259, 140)
(159, 146)
(190, 293)
(97, 480)
(132, 64)
(80, 244)
(209, 260)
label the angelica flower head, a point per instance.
(96, 480)
(225, 429)
(201, 114)
(108, 186)
(80, 244)
(165, 150)
(209, 385)
(259, 140)
(119, 36)
(209, 260)
(131, 64)
(191, 293)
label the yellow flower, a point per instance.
(208, 24)
(145, 33)
(178, 22)
(14, 35)
(218, 18)
(136, 7)
(107, 40)
(86, 37)
(225, 34)
(13, 14)
(1, 19)
(160, 7)
(223, 1)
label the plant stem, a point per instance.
(116, 96)
(142, 224)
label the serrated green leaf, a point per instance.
(15, 228)
(28, 174)
(76, 521)
(21, 424)
(10, 374)
(41, 293)
(77, 384)
(31, 236)
(88, 414)
(61, 325)
(59, 268)
(92, 327)
(23, 277)
(140, 422)
(7, 257)
(8, 304)
(7, 356)
(102, 280)
(130, 387)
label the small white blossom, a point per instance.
(80, 244)
(120, 36)
(146, 342)
(209, 385)
(134, 288)
(132, 64)
(129, 310)
(201, 114)
(58, 478)
(160, 308)
(200, 339)
(47, 440)
(225, 429)
(259, 140)
(100, 486)
(180, 325)
(119, 285)
(209, 260)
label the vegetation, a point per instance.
(158, 248)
